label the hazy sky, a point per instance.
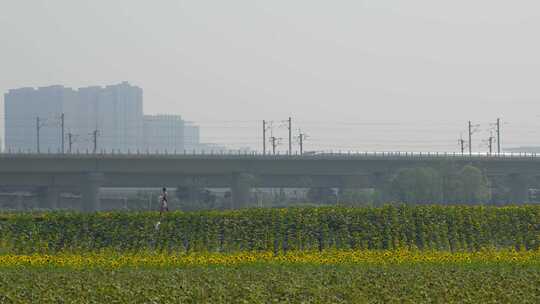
(373, 74)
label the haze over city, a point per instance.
(276, 151)
(359, 75)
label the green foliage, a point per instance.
(195, 198)
(322, 195)
(417, 185)
(357, 197)
(446, 184)
(473, 186)
(426, 227)
(275, 284)
(193, 195)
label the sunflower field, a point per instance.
(392, 254)
(453, 228)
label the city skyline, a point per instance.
(247, 134)
(110, 118)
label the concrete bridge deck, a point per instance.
(88, 172)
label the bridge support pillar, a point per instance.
(518, 185)
(240, 190)
(90, 192)
(19, 202)
(380, 182)
(536, 182)
(48, 197)
(498, 189)
(52, 197)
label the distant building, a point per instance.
(28, 109)
(163, 133)
(114, 113)
(211, 148)
(532, 149)
(191, 137)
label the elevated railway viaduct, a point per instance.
(87, 173)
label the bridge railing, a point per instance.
(278, 155)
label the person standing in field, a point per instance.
(164, 203)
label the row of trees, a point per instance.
(420, 185)
(426, 185)
(446, 184)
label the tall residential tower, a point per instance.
(104, 119)
(112, 114)
(29, 112)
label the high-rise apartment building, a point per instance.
(28, 110)
(109, 119)
(163, 133)
(114, 111)
(191, 137)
